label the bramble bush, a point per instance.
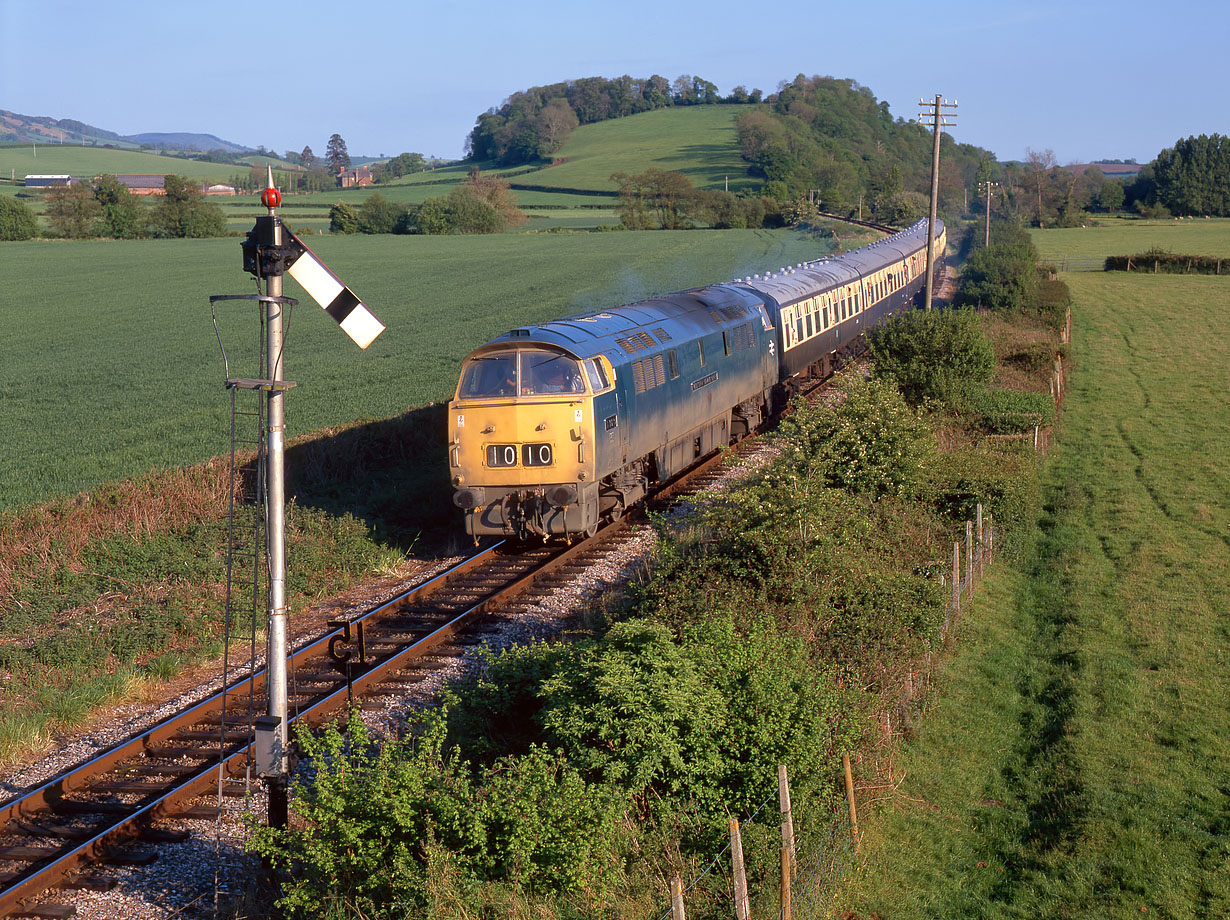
(942, 355)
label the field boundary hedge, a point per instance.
(1167, 263)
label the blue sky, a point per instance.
(1086, 79)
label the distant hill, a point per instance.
(18, 128)
(201, 142)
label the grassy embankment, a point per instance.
(1076, 760)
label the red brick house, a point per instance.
(355, 178)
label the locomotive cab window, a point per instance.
(598, 380)
(520, 373)
(544, 373)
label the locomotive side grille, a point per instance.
(638, 341)
(659, 371)
(648, 373)
(662, 334)
(744, 338)
(638, 376)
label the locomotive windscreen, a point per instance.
(520, 373)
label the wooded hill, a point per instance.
(816, 133)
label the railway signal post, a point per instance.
(937, 118)
(270, 251)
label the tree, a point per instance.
(336, 155)
(184, 212)
(17, 221)
(1193, 177)
(71, 210)
(307, 158)
(496, 192)
(121, 215)
(1039, 164)
(404, 164)
(655, 199)
(555, 122)
(1110, 196)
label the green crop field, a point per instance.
(1076, 762)
(112, 367)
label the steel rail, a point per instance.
(129, 827)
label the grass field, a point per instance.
(56, 159)
(1126, 237)
(112, 367)
(698, 141)
(1076, 763)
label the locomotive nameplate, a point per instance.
(704, 381)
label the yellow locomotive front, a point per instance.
(521, 445)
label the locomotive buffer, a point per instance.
(270, 251)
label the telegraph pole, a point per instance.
(937, 119)
(985, 188)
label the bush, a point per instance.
(1002, 276)
(939, 355)
(378, 215)
(460, 211)
(1011, 411)
(17, 220)
(1003, 482)
(871, 443)
(376, 816)
(1054, 298)
(343, 219)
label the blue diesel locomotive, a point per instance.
(557, 427)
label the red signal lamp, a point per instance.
(271, 197)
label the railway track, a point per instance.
(54, 837)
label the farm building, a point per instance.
(49, 181)
(355, 178)
(221, 190)
(143, 184)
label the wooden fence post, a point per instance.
(783, 798)
(677, 899)
(990, 539)
(845, 763)
(786, 905)
(969, 555)
(743, 907)
(956, 576)
(981, 550)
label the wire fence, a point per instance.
(815, 862)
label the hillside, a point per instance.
(17, 161)
(34, 128)
(698, 141)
